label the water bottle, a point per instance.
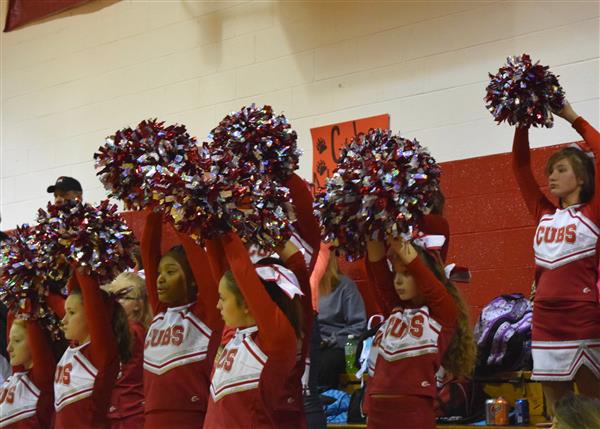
(350, 353)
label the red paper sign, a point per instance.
(329, 139)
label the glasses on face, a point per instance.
(128, 298)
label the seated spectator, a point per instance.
(341, 313)
(576, 412)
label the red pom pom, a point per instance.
(380, 188)
(142, 166)
(29, 274)
(95, 239)
(259, 137)
(524, 94)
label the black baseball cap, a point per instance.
(65, 184)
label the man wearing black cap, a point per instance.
(65, 189)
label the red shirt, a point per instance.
(248, 382)
(408, 348)
(26, 399)
(102, 353)
(127, 398)
(566, 240)
(181, 383)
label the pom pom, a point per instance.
(95, 239)
(380, 188)
(259, 137)
(145, 165)
(524, 94)
(233, 181)
(230, 195)
(27, 278)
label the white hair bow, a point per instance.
(282, 277)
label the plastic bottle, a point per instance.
(350, 352)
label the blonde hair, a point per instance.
(460, 357)
(133, 280)
(21, 322)
(577, 412)
(331, 277)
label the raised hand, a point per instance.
(567, 112)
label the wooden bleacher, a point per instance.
(510, 385)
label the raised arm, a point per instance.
(306, 222)
(441, 304)
(56, 302)
(521, 160)
(150, 250)
(592, 139)
(103, 344)
(589, 134)
(42, 353)
(206, 285)
(276, 332)
(381, 277)
(294, 260)
(42, 356)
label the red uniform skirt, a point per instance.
(174, 419)
(405, 412)
(135, 421)
(565, 336)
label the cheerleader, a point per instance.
(26, 397)
(307, 238)
(566, 316)
(127, 399)
(426, 325)
(249, 385)
(96, 324)
(184, 335)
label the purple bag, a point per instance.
(503, 335)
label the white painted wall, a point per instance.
(73, 79)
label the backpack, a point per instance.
(336, 408)
(503, 335)
(458, 401)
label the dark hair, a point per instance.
(137, 257)
(577, 412)
(178, 253)
(292, 308)
(437, 202)
(460, 356)
(119, 323)
(582, 165)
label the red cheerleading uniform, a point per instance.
(307, 237)
(407, 350)
(181, 342)
(566, 258)
(86, 374)
(26, 397)
(248, 381)
(126, 409)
